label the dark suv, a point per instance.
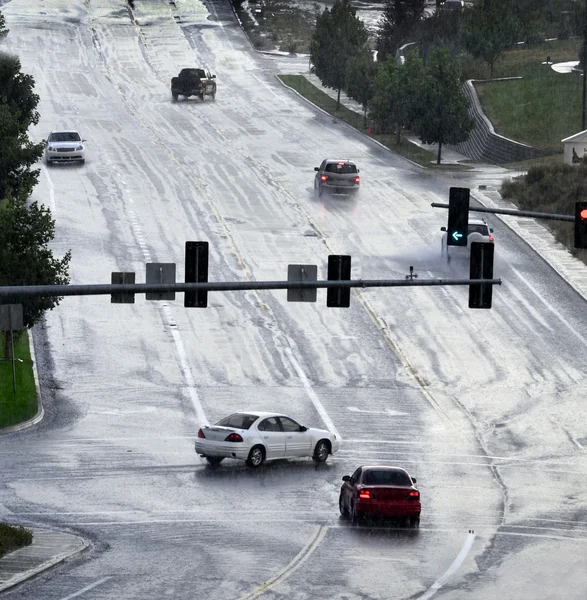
(338, 176)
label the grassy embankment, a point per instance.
(12, 538)
(17, 407)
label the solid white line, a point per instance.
(311, 393)
(551, 308)
(458, 561)
(265, 85)
(87, 588)
(52, 204)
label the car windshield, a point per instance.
(476, 228)
(342, 168)
(64, 136)
(238, 421)
(386, 477)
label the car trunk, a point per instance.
(218, 433)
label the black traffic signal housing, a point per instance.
(339, 269)
(458, 217)
(580, 224)
(481, 267)
(196, 270)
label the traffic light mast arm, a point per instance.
(515, 213)
(223, 286)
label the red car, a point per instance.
(386, 492)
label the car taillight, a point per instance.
(365, 494)
(491, 238)
(414, 494)
(324, 178)
(357, 179)
(234, 437)
(201, 434)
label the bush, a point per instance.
(13, 538)
(552, 189)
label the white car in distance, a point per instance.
(256, 437)
(478, 231)
(65, 146)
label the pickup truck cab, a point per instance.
(193, 82)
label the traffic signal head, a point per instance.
(196, 270)
(580, 224)
(339, 269)
(481, 267)
(458, 217)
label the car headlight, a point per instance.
(50, 148)
(80, 147)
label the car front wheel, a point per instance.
(256, 457)
(321, 451)
(344, 511)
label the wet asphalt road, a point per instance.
(485, 408)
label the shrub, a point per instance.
(13, 538)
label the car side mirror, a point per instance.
(414, 480)
(83, 140)
(491, 231)
(303, 428)
(346, 478)
(358, 170)
(213, 76)
(316, 168)
(443, 229)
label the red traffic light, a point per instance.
(583, 214)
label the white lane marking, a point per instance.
(578, 444)
(265, 85)
(52, 204)
(291, 568)
(458, 561)
(87, 588)
(551, 308)
(311, 393)
(387, 411)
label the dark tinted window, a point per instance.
(238, 421)
(343, 168)
(289, 424)
(64, 136)
(270, 424)
(356, 475)
(482, 229)
(386, 477)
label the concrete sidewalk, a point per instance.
(48, 549)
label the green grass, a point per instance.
(17, 407)
(535, 162)
(12, 538)
(354, 119)
(544, 106)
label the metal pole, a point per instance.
(515, 213)
(13, 369)
(222, 286)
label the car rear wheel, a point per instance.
(256, 457)
(214, 460)
(175, 97)
(344, 510)
(321, 451)
(355, 520)
(414, 522)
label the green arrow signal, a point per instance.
(456, 236)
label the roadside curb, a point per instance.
(40, 409)
(415, 164)
(532, 232)
(51, 562)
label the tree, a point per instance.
(338, 36)
(25, 258)
(18, 112)
(3, 30)
(398, 89)
(360, 79)
(397, 23)
(489, 27)
(442, 112)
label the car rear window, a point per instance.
(238, 421)
(474, 228)
(386, 477)
(343, 168)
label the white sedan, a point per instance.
(65, 146)
(259, 436)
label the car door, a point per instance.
(349, 488)
(320, 172)
(297, 442)
(272, 437)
